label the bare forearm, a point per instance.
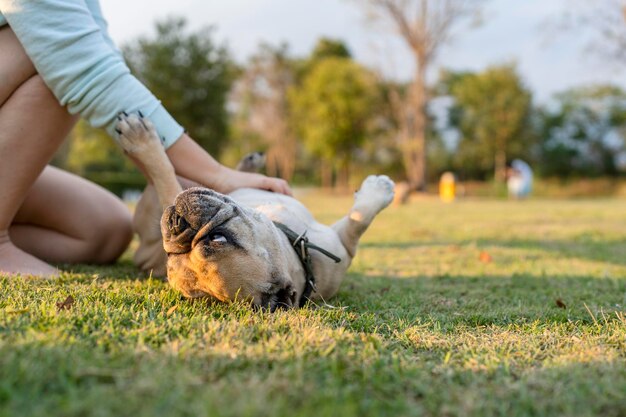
(194, 163)
(191, 161)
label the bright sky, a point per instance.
(513, 30)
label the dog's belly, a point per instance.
(289, 211)
(277, 207)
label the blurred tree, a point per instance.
(92, 154)
(324, 48)
(424, 25)
(332, 109)
(329, 48)
(491, 110)
(260, 99)
(190, 74)
(584, 132)
(604, 20)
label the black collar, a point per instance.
(301, 244)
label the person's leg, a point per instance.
(66, 219)
(15, 66)
(23, 153)
(32, 126)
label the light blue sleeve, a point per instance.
(69, 45)
(98, 17)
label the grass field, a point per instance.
(448, 310)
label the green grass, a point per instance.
(421, 326)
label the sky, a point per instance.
(519, 31)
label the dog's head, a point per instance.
(218, 248)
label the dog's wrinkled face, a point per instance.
(218, 248)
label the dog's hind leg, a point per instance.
(140, 140)
(375, 194)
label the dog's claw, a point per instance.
(140, 113)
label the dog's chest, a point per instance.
(276, 207)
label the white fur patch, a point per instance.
(375, 194)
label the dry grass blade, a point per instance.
(171, 310)
(591, 314)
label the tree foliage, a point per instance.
(329, 48)
(262, 109)
(92, 154)
(332, 108)
(424, 26)
(190, 74)
(491, 111)
(584, 132)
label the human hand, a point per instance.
(227, 180)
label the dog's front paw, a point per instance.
(376, 192)
(137, 135)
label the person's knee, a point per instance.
(35, 89)
(15, 71)
(111, 236)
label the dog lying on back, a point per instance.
(251, 244)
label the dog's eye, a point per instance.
(218, 238)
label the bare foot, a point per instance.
(14, 261)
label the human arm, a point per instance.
(68, 45)
(192, 162)
(67, 41)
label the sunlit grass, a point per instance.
(421, 326)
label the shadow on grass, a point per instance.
(122, 270)
(449, 301)
(609, 251)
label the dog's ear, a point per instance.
(176, 231)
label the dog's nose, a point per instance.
(175, 222)
(176, 231)
(284, 298)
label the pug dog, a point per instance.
(250, 245)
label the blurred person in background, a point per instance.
(519, 179)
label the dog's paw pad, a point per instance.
(377, 191)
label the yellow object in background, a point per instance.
(447, 187)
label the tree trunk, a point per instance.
(500, 166)
(343, 176)
(281, 159)
(271, 163)
(289, 161)
(415, 146)
(326, 174)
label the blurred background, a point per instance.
(333, 90)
